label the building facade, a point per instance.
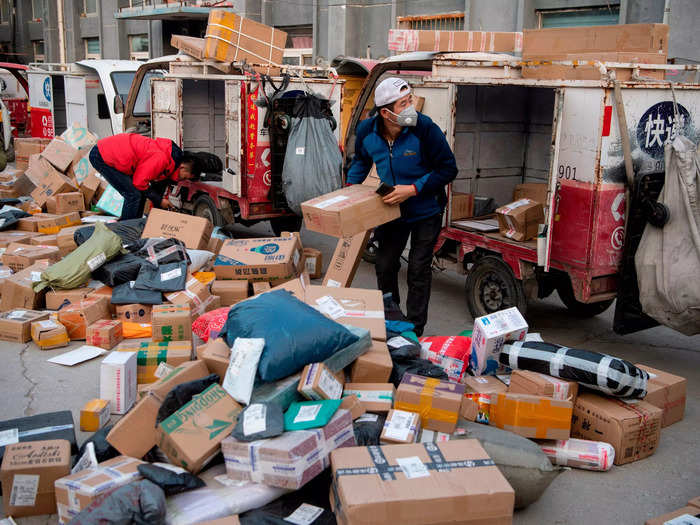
(319, 30)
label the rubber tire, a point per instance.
(288, 223)
(492, 268)
(577, 308)
(370, 252)
(204, 207)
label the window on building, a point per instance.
(138, 47)
(584, 16)
(90, 7)
(298, 56)
(4, 11)
(442, 22)
(39, 54)
(38, 9)
(92, 47)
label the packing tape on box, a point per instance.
(58, 339)
(155, 257)
(643, 425)
(541, 415)
(237, 45)
(43, 430)
(425, 405)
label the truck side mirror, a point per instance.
(118, 105)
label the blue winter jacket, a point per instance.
(419, 156)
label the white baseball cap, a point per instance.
(390, 90)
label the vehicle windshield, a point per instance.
(142, 105)
(122, 82)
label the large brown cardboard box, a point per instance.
(345, 260)
(171, 322)
(461, 206)
(406, 484)
(632, 429)
(16, 324)
(668, 518)
(667, 392)
(347, 211)
(48, 181)
(529, 416)
(26, 146)
(76, 317)
(28, 473)
(374, 397)
(407, 40)
(191, 45)
(437, 401)
(230, 292)
(520, 220)
(44, 240)
(192, 436)
(135, 433)
(275, 259)
(60, 154)
(374, 366)
(18, 292)
(535, 191)
(55, 298)
(66, 203)
(19, 256)
(350, 306)
(536, 384)
(193, 231)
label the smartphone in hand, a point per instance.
(384, 189)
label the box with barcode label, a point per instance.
(48, 334)
(313, 262)
(318, 382)
(28, 473)
(414, 484)
(375, 397)
(15, 325)
(490, 334)
(400, 426)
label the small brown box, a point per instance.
(313, 261)
(193, 231)
(437, 401)
(66, 203)
(105, 333)
(318, 382)
(400, 427)
(134, 313)
(461, 206)
(520, 220)
(352, 404)
(171, 322)
(55, 298)
(374, 366)
(48, 334)
(15, 325)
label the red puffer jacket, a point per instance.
(146, 160)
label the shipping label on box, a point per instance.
(15, 325)
(269, 259)
(118, 381)
(318, 382)
(375, 397)
(193, 231)
(438, 402)
(531, 416)
(490, 334)
(171, 323)
(400, 427)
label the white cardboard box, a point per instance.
(489, 335)
(118, 381)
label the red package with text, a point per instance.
(210, 323)
(451, 353)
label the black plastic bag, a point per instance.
(122, 269)
(421, 367)
(169, 277)
(126, 294)
(368, 428)
(138, 503)
(129, 232)
(10, 218)
(182, 394)
(103, 450)
(163, 251)
(269, 417)
(169, 481)
(402, 348)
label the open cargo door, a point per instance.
(76, 101)
(166, 109)
(233, 119)
(553, 181)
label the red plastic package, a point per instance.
(451, 353)
(210, 322)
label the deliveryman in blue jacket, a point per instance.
(411, 155)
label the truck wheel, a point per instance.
(204, 207)
(577, 308)
(288, 223)
(370, 253)
(491, 286)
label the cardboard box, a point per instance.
(374, 397)
(531, 416)
(374, 366)
(105, 333)
(353, 405)
(633, 38)
(77, 491)
(66, 203)
(437, 401)
(191, 437)
(345, 260)
(15, 325)
(260, 287)
(18, 256)
(150, 359)
(688, 515)
(28, 473)
(276, 259)
(667, 392)
(9, 237)
(136, 433)
(89, 188)
(231, 38)
(26, 146)
(66, 242)
(632, 429)
(404, 484)
(400, 427)
(230, 292)
(55, 298)
(188, 44)
(535, 191)
(118, 381)
(49, 225)
(47, 425)
(48, 181)
(347, 211)
(194, 295)
(60, 154)
(217, 356)
(135, 313)
(695, 502)
(520, 220)
(317, 382)
(586, 68)
(94, 415)
(407, 40)
(81, 168)
(290, 460)
(536, 384)
(461, 205)
(48, 334)
(29, 224)
(76, 317)
(193, 231)
(478, 393)
(313, 262)
(490, 334)
(18, 292)
(44, 240)
(171, 322)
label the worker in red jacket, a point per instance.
(139, 167)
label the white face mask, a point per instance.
(407, 118)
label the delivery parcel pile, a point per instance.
(224, 362)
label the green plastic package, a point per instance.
(73, 271)
(310, 414)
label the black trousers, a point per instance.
(391, 239)
(134, 199)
